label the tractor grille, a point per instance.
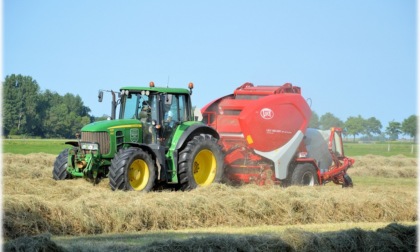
(99, 137)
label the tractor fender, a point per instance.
(193, 130)
(72, 143)
(157, 151)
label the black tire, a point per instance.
(60, 166)
(305, 175)
(132, 169)
(200, 162)
(347, 181)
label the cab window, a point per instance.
(130, 106)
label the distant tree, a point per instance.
(409, 127)
(372, 126)
(314, 122)
(354, 126)
(66, 115)
(100, 118)
(27, 110)
(11, 112)
(49, 101)
(21, 113)
(55, 122)
(75, 104)
(328, 121)
(393, 130)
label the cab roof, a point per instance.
(157, 89)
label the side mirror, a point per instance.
(100, 96)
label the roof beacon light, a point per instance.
(191, 86)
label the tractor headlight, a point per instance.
(90, 146)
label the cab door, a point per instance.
(175, 111)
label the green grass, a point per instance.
(55, 146)
(386, 149)
(26, 146)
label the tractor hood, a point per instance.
(105, 125)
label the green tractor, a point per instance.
(154, 142)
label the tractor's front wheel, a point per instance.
(305, 175)
(132, 169)
(200, 162)
(60, 166)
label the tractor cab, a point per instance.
(159, 110)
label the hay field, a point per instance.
(33, 203)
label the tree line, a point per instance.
(368, 129)
(29, 111)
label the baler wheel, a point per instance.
(305, 175)
(60, 166)
(347, 181)
(132, 169)
(200, 162)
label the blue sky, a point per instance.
(350, 58)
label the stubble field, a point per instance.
(62, 214)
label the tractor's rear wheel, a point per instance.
(305, 175)
(132, 169)
(200, 162)
(60, 166)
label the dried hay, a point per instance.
(389, 167)
(37, 165)
(34, 203)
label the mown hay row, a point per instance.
(387, 167)
(217, 205)
(394, 237)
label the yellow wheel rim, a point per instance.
(204, 168)
(138, 174)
